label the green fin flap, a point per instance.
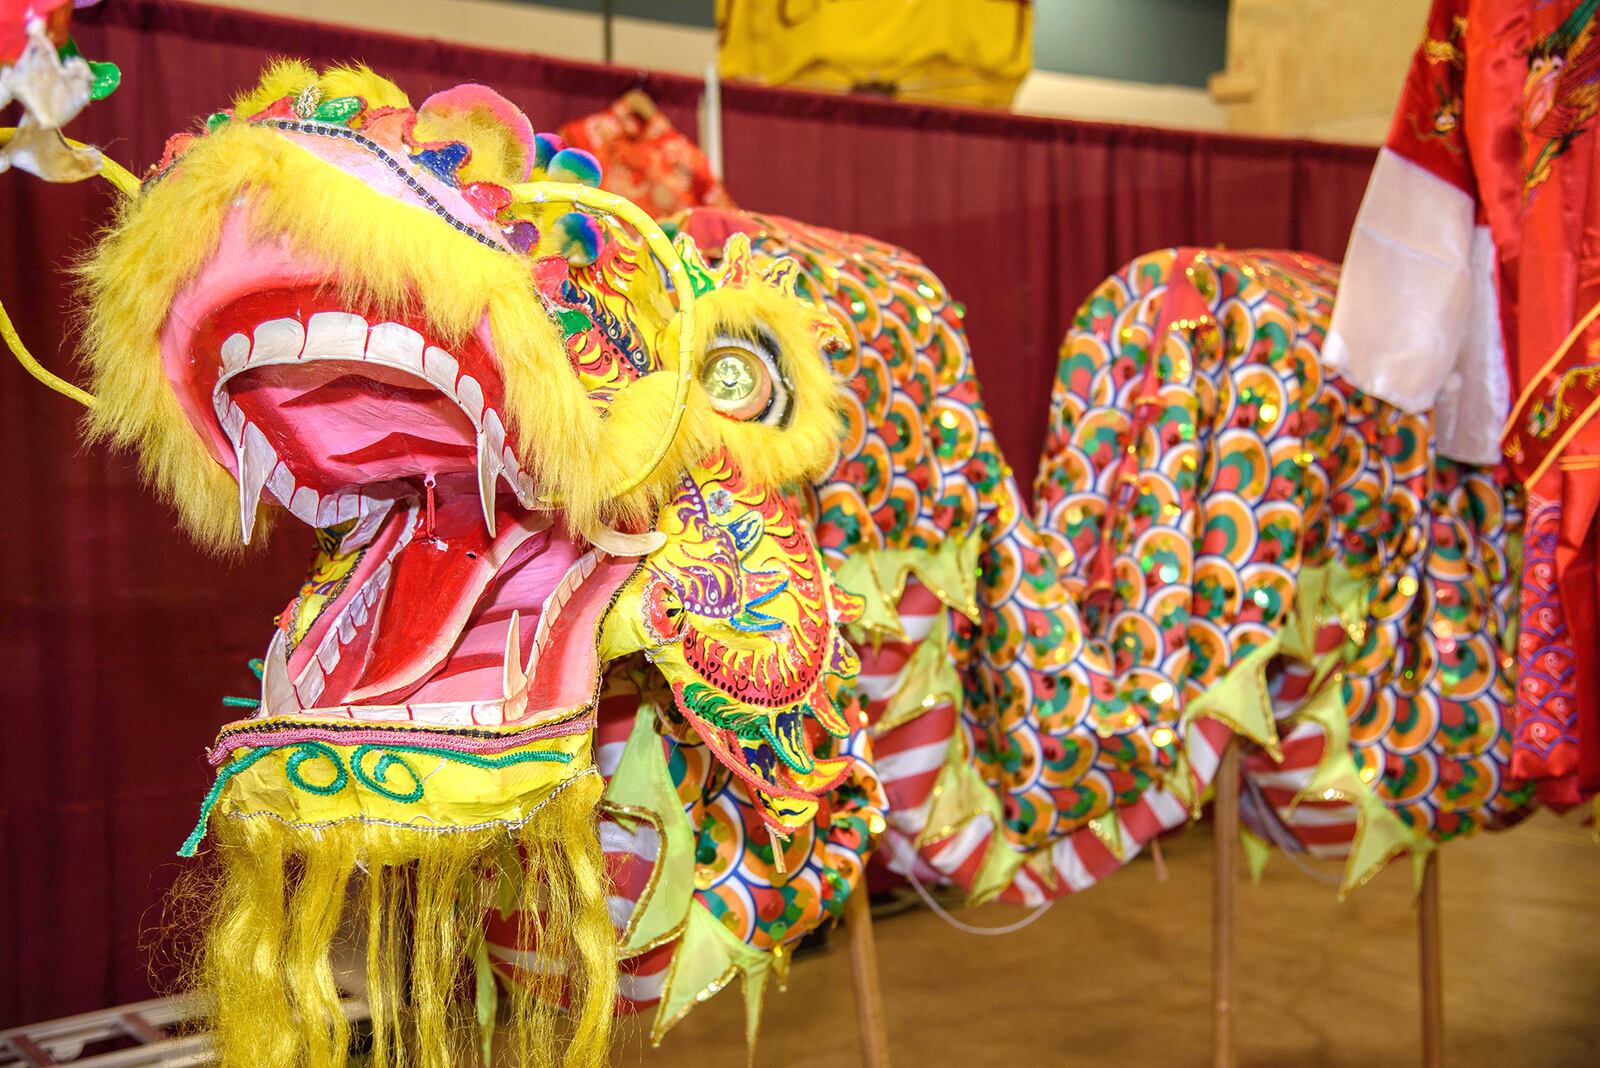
(1242, 700)
(1380, 833)
(641, 791)
(1257, 851)
(488, 1001)
(878, 577)
(927, 678)
(708, 958)
(858, 576)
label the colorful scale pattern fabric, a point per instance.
(1056, 764)
(1255, 470)
(1215, 519)
(761, 900)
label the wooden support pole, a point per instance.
(864, 974)
(1224, 883)
(1431, 972)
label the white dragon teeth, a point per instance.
(621, 543)
(441, 368)
(470, 396)
(229, 415)
(303, 505)
(450, 714)
(335, 334)
(394, 344)
(345, 336)
(280, 698)
(280, 483)
(256, 460)
(311, 684)
(370, 513)
(574, 577)
(493, 429)
(488, 479)
(278, 695)
(235, 352)
(278, 340)
(514, 678)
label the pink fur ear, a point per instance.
(477, 107)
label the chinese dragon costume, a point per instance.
(1225, 540)
(1339, 595)
(652, 593)
(537, 442)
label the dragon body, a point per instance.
(658, 583)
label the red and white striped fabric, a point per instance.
(1320, 827)
(909, 758)
(1274, 805)
(630, 858)
(1082, 859)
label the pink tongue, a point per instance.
(433, 588)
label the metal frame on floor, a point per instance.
(161, 1031)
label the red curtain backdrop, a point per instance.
(119, 639)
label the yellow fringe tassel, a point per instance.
(267, 969)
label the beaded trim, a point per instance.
(556, 728)
(368, 733)
(317, 129)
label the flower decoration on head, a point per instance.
(468, 138)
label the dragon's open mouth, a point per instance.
(443, 595)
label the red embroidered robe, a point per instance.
(1472, 285)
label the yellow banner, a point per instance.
(963, 51)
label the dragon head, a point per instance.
(535, 438)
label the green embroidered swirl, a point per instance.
(305, 751)
(375, 780)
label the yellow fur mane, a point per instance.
(385, 256)
(380, 254)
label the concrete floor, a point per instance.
(1121, 974)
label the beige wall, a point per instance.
(1308, 68)
(514, 27)
(1328, 69)
(1077, 96)
(686, 50)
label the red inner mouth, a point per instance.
(438, 611)
(368, 421)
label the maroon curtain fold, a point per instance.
(118, 639)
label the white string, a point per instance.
(962, 925)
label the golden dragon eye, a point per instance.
(738, 383)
